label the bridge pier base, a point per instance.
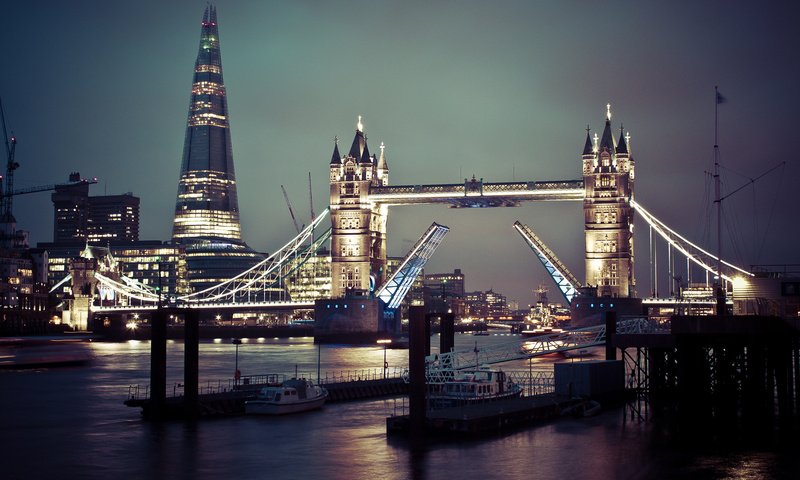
(191, 370)
(416, 369)
(158, 363)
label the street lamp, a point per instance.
(385, 342)
(236, 373)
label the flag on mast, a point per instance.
(720, 98)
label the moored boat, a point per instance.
(473, 386)
(292, 396)
(41, 352)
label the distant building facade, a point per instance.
(485, 305)
(79, 217)
(444, 292)
(312, 281)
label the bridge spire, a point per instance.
(382, 165)
(336, 159)
(588, 148)
(607, 140)
(622, 146)
(359, 142)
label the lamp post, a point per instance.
(385, 342)
(236, 373)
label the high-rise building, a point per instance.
(79, 217)
(207, 211)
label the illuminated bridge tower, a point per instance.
(608, 173)
(358, 241)
(207, 211)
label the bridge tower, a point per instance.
(358, 240)
(608, 174)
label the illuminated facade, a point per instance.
(608, 174)
(485, 305)
(358, 241)
(206, 211)
(144, 261)
(312, 281)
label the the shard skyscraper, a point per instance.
(207, 210)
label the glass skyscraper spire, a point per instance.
(207, 205)
(207, 211)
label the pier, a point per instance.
(228, 398)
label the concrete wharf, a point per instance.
(490, 417)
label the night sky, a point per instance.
(502, 90)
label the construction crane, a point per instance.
(291, 212)
(45, 188)
(311, 197)
(11, 147)
(8, 193)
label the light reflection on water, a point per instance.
(71, 423)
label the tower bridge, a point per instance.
(224, 273)
(360, 197)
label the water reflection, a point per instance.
(71, 423)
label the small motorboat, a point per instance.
(292, 396)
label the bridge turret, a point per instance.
(608, 216)
(358, 242)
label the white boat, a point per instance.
(292, 396)
(473, 386)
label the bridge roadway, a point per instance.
(475, 193)
(284, 305)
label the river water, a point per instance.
(70, 423)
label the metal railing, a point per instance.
(247, 382)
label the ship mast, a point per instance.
(720, 293)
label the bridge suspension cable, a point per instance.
(253, 282)
(693, 252)
(264, 274)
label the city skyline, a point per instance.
(503, 93)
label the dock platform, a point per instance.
(231, 402)
(489, 417)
